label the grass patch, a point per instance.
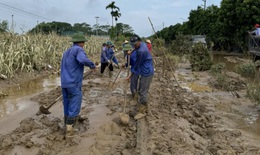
(217, 68)
(247, 70)
(173, 59)
(253, 92)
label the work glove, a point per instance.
(129, 52)
(108, 61)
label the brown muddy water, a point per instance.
(19, 97)
(18, 105)
(231, 61)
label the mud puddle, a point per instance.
(17, 105)
(18, 96)
(46, 137)
(249, 119)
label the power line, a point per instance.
(23, 11)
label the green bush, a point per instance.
(222, 82)
(173, 59)
(246, 70)
(217, 68)
(200, 58)
(181, 45)
(253, 92)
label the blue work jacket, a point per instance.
(108, 54)
(72, 66)
(143, 64)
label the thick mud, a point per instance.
(189, 116)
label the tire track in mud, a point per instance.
(144, 125)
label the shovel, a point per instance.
(117, 76)
(124, 118)
(46, 111)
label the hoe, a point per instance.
(43, 110)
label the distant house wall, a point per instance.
(199, 38)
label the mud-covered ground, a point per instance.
(185, 117)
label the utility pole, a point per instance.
(12, 26)
(108, 28)
(37, 30)
(204, 4)
(97, 25)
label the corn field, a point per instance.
(29, 53)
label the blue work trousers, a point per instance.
(72, 99)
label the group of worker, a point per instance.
(72, 66)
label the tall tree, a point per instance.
(123, 28)
(82, 27)
(50, 27)
(114, 12)
(116, 15)
(4, 26)
(237, 17)
(104, 29)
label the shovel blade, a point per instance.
(44, 110)
(124, 118)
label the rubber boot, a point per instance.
(65, 121)
(70, 127)
(135, 96)
(142, 110)
(64, 125)
(70, 131)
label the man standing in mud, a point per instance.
(72, 66)
(142, 68)
(106, 58)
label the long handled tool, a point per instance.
(87, 74)
(165, 57)
(110, 63)
(119, 73)
(44, 110)
(124, 118)
(117, 76)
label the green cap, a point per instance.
(78, 37)
(109, 43)
(127, 47)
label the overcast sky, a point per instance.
(163, 13)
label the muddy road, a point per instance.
(191, 119)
